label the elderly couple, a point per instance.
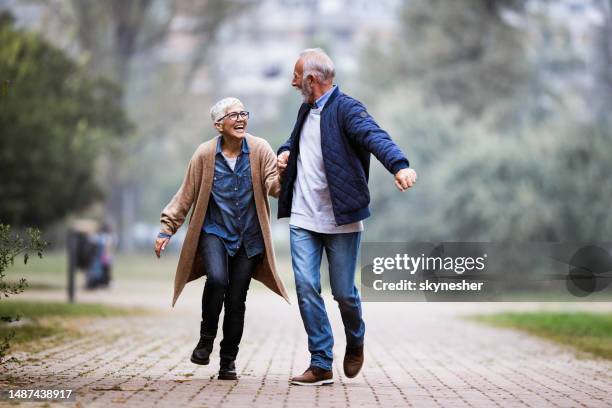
(321, 180)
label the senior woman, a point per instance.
(228, 239)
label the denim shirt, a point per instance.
(320, 103)
(231, 213)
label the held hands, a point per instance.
(281, 163)
(160, 245)
(405, 178)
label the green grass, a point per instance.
(50, 272)
(52, 268)
(42, 320)
(27, 333)
(585, 331)
(37, 310)
(50, 265)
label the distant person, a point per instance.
(107, 245)
(100, 266)
(325, 165)
(227, 183)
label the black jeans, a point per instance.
(227, 284)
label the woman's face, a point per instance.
(234, 123)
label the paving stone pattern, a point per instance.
(416, 355)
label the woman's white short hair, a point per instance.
(220, 108)
(318, 64)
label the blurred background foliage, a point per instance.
(502, 106)
(55, 120)
(502, 111)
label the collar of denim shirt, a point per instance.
(320, 103)
(244, 148)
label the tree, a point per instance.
(461, 53)
(543, 179)
(602, 78)
(119, 39)
(55, 119)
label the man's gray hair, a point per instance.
(220, 108)
(318, 64)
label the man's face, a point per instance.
(233, 127)
(302, 84)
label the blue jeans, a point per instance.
(342, 250)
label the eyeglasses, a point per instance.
(233, 116)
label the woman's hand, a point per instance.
(160, 245)
(281, 163)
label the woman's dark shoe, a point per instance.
(227, 370)
(353, 361)
(201, 354)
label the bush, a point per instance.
(11, 246)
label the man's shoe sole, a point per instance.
(200, 362)
(320, 382)
(229, 377)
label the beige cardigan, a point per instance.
(195, 192)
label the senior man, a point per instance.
(324, 189)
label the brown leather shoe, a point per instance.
(314, 376)
(353, 360)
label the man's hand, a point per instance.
(160, 245)
(281, 163)
(405, 178)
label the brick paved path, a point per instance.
(419, 355)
